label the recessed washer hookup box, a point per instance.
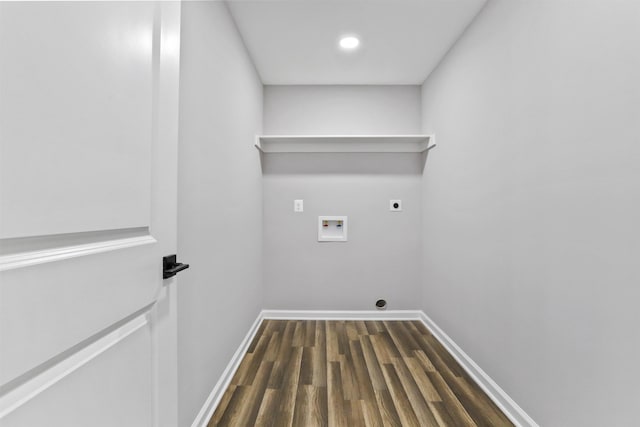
(332, 228)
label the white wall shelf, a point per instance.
(344, 143)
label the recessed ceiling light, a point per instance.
(349, 42)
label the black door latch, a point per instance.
(170, 266)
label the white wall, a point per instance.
(341, 110)
(381, 258)
(532, 200)
(220, 214)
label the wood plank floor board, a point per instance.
(423, 382)
(440, 358)
(341, 332)
(277, 374)
(255, 395)
(241, 373)
(267, 408)
(351, 373)
(387, 409)
(233, 412)
(442, 415)
(352, 331)
(402, 339)
(320, 355)
(451, 403)
(284, 353)
(350, 388)
(424, 361)
(475, 403)
(271, 353)
(333, 348)
(460, 383)
(350, 385)
(336, 409)
(372, 329)
(371, 413)
(309, 409)
(399, 397)
(360, 369)
(298, 334)
(222, 406)
(418, 403)
(310, 333)
(257, 357)
(306, 366)
(288, 390)
(373, 366)
(323, 405)
(391, 349)
(353, 410)
(261, 329)
(361, 328)
(380, 343)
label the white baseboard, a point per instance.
(213, 400)
(343, 314)
(511, 409)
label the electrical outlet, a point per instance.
(298, 205)
(395, 205)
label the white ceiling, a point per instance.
(296, 41)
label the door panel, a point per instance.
(79, 298)
(88, 144)
(76, 95)
(87, 382)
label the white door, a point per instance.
(88, 146)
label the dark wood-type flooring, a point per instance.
(352, 373)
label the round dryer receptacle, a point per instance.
(381, 304)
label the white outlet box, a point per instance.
(395, 205)
(332, 229)
(298, 205)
